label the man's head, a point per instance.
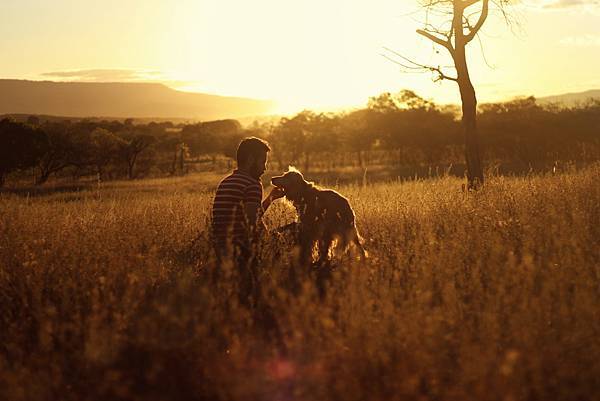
(252, 156)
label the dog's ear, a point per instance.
(296, 178)
(292, 169)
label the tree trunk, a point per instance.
(130, 166)
(469, 120)
(43, 177)
(174, 164)
(182, 160)
(2, 180)
(130, 170)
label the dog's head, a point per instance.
(292, 182)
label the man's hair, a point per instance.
(251, 146)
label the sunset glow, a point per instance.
(309, 54)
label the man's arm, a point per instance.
(252, 205)
(275, 194)
(254, 212)
(253, 215)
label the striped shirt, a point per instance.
(229, 222)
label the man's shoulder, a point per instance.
(234, 178)
(240, 179)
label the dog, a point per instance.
(324, 217)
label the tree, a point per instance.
(228, 144)
(62, 150)
(102, 147)
(172, 145)
(320, 133)
(132, 146)
(199, 140)
(21, 146)
(430, 129)
(454, 37)
(33, 121)
(295, 135)
(212, 138)
(357, 133)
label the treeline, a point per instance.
(400, 130)
(109, 149)
(405, 130)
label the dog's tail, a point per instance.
(353, 238)
(359, 243)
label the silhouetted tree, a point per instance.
(62, 150)
(200, 141)
(229, 143)
(357, 134)
(102, 149)
(34, 121)
(426, 127)
(211, 137)
(177, 150)
(384, 103)
(385, 118)
(21, 146)
(414, 127)
(134, 144)
(320, 133)
(531, 136)
(454, 35)
(292, 134)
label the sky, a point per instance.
(319, 54)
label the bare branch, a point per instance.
(414, 66)
(468, 3)
(436, 30)
(437, 3)
(482, 17)
(483, 53)
(441, 74)
(445, 43)
(408, 67)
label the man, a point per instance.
(237, 211)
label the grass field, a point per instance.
(492, 295)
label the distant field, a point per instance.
(485, 296)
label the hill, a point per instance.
(572, 99)
(120, 100)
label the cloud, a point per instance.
(105, 75)
(587, 40)
(116, 75)
(587, 6)
(562, 4)
(572, 7)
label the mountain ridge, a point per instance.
(121, 100)
(571, 98)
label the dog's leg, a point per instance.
(324, 247)
(306, 242)
(357, 240)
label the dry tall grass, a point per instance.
(485, 296)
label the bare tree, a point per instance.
(453, 35)
(62, 151)
(132, 145)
